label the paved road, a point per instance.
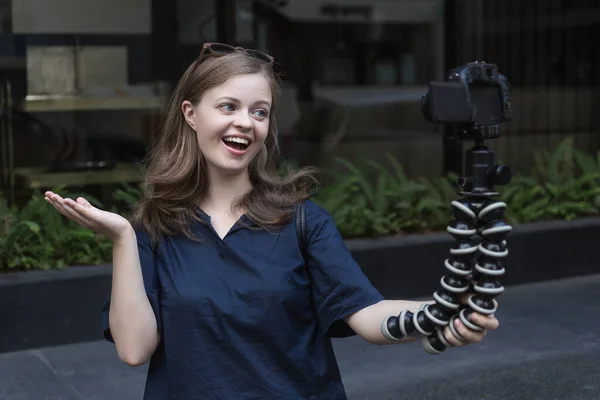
(547, 348)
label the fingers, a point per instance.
(452, 339)
(485, 321)
(56, 201)
(84, 210)
(466, 335)
(78, 212)
(84, 202)
(469, 335)
(66, 208)
(455, 333)
(81, 206)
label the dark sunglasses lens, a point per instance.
(259, 55)
(220, 48)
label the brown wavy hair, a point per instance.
(175, 179)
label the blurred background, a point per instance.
(88, 80)
(83, 91)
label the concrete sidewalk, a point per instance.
(548, 347)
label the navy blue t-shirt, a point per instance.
(239, 317)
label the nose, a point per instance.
(243, 122)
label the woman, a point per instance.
(209, 282)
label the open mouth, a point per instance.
(236, 143)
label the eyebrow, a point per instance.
(234, 100)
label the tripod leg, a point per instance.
(492, 249)
(460, 267)
(487, 266)
(432, 318)
(473, 215)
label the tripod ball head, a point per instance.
(481, 171)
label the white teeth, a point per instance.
(237, 140)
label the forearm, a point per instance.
(131, 318)
(367, 322)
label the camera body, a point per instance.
(474, 100)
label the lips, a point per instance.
(237, 142)
(237, 145)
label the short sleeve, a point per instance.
(339, 286)
(151, 283)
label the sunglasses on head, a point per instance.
(222, 49)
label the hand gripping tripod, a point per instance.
(473, 266)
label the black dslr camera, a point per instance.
(473, 101)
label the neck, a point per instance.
(224, 190)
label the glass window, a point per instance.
(92, 91)
(197, 22)
(79, 102)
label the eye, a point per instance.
(227, 107)
(261, 113)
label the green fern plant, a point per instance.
(126, 197)
(377, 201)
(562, 185)
(38, 237)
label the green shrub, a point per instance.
(563, 185)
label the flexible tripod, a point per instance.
(473, 266)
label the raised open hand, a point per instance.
(82, 212)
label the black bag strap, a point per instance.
(301, 228)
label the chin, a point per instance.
(232, 167)
(230, 170)
(229, 163)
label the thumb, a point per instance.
(84, 202)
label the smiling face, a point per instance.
(231, 122)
